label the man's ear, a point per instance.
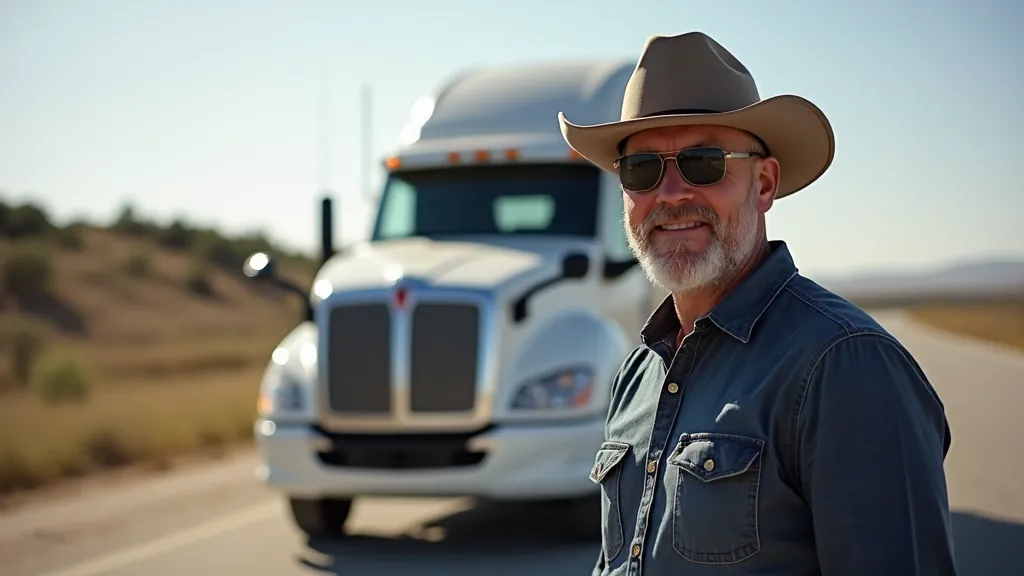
(767, 173)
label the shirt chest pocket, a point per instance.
(606, 472)
(715, 497)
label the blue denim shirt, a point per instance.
(788, 435)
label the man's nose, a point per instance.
(673, 189)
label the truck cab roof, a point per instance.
(509, 113)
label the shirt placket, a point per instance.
(669, 401)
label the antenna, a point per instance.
(324, 131)
(366, 101)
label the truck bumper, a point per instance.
(518, 463)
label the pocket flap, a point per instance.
(710, 456)
(609, 456)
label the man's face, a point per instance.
(729, 214)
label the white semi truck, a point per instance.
(467, 347)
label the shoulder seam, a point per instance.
(848, 327)
(805, 381)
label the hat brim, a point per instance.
(796, 132)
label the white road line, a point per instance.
(135, 554)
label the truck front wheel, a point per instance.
(321, 518)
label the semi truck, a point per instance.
(467, 346)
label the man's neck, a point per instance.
(693, 305)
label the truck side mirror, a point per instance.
(575, 266)
(259, 266)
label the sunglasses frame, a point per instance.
(674, 156)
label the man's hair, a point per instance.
(757, 146)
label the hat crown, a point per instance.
(688, 73)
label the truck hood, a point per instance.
(440, 263)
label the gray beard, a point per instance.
(677, 270)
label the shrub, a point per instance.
(61, 378)
(177, 236)
(26, 271)
(220, 252)
(139, 263)
(27, 220)
(128, 224)
(69, 237)
(108, 449)
(25, 345)
(16, 473)
(5, 216)
(198, 280)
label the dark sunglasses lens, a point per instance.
(702, 166)
(639, 171)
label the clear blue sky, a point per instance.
(210, 109)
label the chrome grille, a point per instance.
(443, 363)
(371, 350)
(358, 359)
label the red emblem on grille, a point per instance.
(401, 295)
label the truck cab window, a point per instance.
(398, 210)
(515, 213)
(542, 200)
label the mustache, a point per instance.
(664, 214)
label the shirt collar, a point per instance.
(739, 311)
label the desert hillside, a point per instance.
(105, 328)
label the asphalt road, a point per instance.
(215, 519)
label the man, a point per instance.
(765, 425)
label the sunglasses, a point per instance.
(704, 166)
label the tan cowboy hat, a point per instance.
(691, 79)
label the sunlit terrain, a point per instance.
(127, 343)
(1000, 321)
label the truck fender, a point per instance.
(302, 336)
(570, 338)
(293, 360)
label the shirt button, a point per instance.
(673, 388)
(652, 466)
(636, 550)
(709, 465)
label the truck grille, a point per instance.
(443, 364)
(359, 360)
(443, 358)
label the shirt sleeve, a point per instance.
(872, 438)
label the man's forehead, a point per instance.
(676, 137)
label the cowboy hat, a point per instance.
(691, 79)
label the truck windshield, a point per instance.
(559, 199)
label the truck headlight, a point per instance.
(283, 393)
(566, 389)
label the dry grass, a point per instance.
(148, 421)
(171, 371)
(999, 321)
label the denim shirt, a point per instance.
(789, 434)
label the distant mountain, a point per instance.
(981, 278)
